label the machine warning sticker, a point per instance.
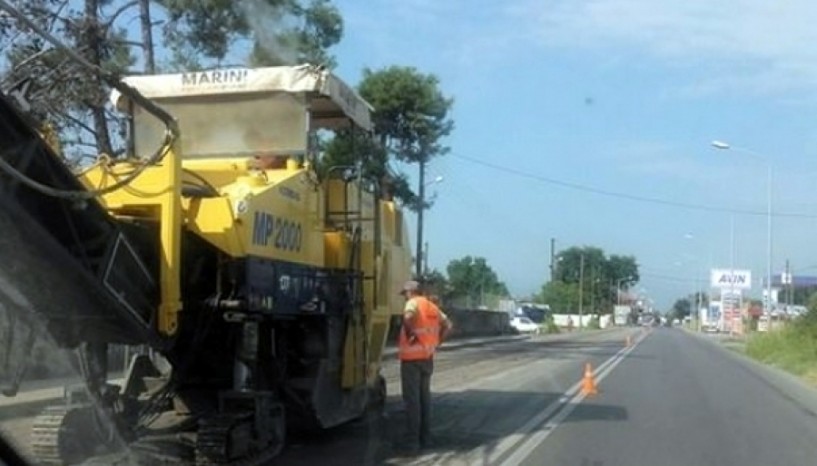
(280, 232)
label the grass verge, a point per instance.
(734, 344)
(792, 348)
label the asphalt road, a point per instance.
(681, 400)
(671, 398)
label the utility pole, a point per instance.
(552, 256)
(593, 291)
(421, 194)
(481, 288)
(581, 286)
(613, 284)
(694, 310)
(425, 259)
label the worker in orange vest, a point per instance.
(424, 327)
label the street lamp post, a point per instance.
(421, 194)
(725, 146)
(694, 314)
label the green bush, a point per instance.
(549, 326)
(594, 324)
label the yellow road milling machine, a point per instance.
(261, 292)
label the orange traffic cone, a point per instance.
(589, 382)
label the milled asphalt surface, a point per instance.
(482, 396)
(463, 370)
(674, 398)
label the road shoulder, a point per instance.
(789, 385)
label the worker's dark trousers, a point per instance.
(416, 379)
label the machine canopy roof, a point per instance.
(331, 101)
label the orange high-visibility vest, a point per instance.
(427, 329)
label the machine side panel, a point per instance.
(280, 222)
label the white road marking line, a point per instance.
(508, 442)
(512, 440)
(533, 441)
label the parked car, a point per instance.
(524, 325)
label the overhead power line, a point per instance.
(669, 277)
(631, 197)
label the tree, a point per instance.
(92, 36)
(349, 149)
(623, 268)
(802, 295)
(569, 263)
(700, 299)
(471, 278)
(810, 317)
(282, 32)
(411, 118)
(562, 297)
(74, 99)
(60, 86)
(599, 275)
(615, 268)
(681, 308)
(435, 283)
(411, 112)
(686, 306)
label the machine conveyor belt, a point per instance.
(65, 262)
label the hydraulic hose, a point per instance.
(171, 133)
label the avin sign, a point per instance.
(732, 279)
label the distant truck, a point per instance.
(621, 315)
(711, 317)
(535, 312)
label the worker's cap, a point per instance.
(410, 285)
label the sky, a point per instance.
(590, 121)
